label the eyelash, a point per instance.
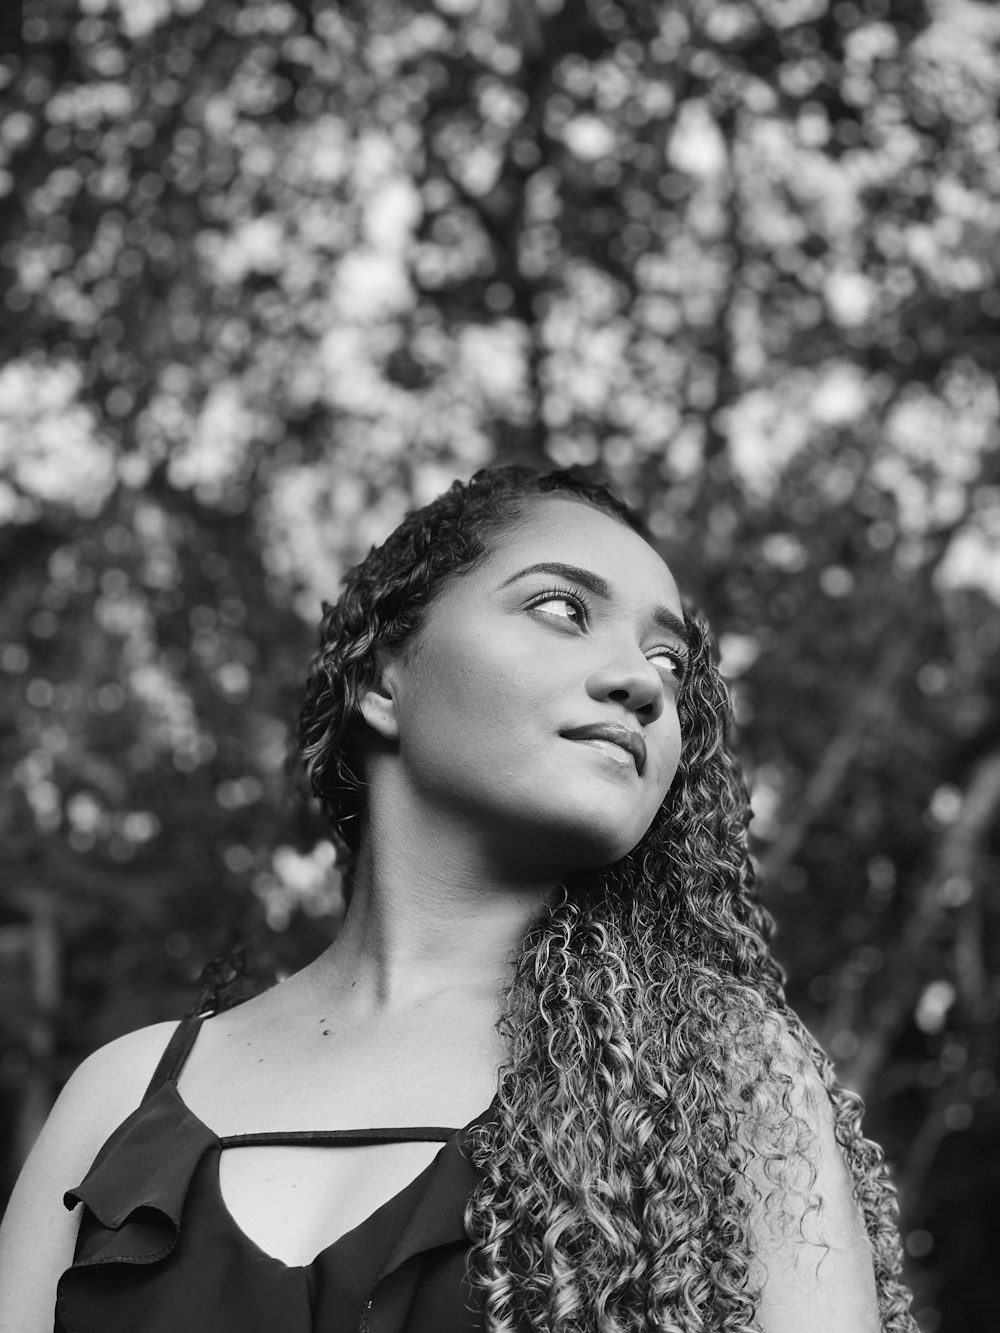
(677, 657)
(569, 594)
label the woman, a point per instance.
(552, 941)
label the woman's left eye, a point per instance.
(673, 662)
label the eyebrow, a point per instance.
(662, 615)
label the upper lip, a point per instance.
(616, 733)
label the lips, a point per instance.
(617, 734)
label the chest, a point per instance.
(293, 1201)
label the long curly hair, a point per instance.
(646, 1026)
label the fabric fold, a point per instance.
(158, 1250)
(438, 1212)
(435, 1222)
(135, 1191)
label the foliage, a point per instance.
(274, 271)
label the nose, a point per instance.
(635, 684)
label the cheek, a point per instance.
(490, 687)
(669, 755)
(466, 703)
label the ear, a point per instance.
(378, 703)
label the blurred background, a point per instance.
(274, 271)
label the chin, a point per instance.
(599, 842)
(567, 837)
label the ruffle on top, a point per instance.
(159, 1252)
(135, 1190)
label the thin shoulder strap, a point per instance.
(175, 1053)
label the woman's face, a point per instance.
(538, 705)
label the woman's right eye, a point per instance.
(561, 606)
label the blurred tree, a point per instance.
(274, 271)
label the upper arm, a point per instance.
(814, 1267)
(38, 1234)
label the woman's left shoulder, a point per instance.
(795, 1064)
(812, 1254)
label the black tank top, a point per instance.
(159, 1252)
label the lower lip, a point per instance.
(616, 752)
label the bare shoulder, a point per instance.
(808, 1094)
(103, 1091)
(812, 1256)
(38, 1232)
(809, 1101)
(109, 1084)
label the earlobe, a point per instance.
(378, 708)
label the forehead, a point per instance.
(551, 528)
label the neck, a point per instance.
(431, 914)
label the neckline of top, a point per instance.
(378, 1133)
(339, 1242)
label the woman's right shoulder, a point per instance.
(103, 1091)
(38, 1233)
(109, 1084)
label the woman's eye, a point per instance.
(672, 663)
(560, 606)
